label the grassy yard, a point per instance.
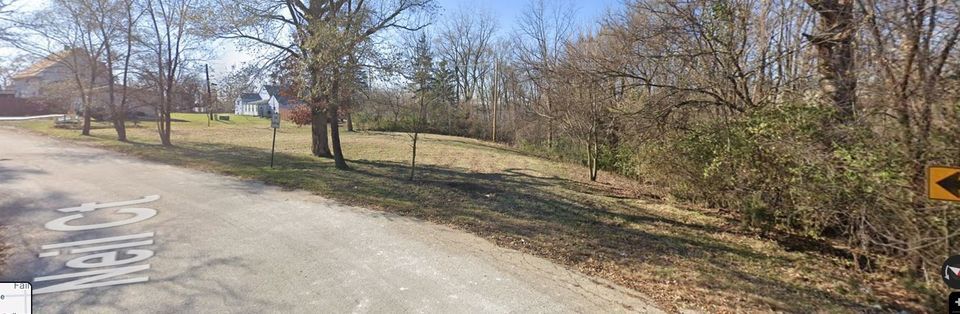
(615, 229)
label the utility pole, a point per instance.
(206, 69)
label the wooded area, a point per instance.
(815, 118)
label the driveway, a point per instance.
(99, 232)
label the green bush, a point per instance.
(779, 167)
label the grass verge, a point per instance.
(683, 258)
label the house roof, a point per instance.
(249, 97)
(274, 90)
(46, 63)
(259, 102)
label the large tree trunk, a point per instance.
(319, 131)
(164, 130)
(169, 130)
(349, 122)
(118, 115)
(86, 118)
(165, 127)
(335, 138)
(834, 41)
(122, 117)
(120, 126)
(164, 116)
(333, 109)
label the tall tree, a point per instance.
(834, 40)
(9, 67)
(326, 38)
(170, 33)
(62, 34)
(466, 41)
(113, 22)
(543, 31)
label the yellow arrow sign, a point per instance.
(943, 183)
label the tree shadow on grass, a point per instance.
(536, 214)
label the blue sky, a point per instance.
(506, 11)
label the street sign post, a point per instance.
(275, 124)
(943, 183)
(275, 120)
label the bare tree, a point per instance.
(170, 32)
(586, 97)
(544, 30)
(326, 41)
(62, 35)
(466, 42)
(9, 67)
(911, 47)
(5, 20)
(113, 21)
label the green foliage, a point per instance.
(422, 66)
(620, 159)
(780, 167)
(563, 150)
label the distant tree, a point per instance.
(466, 41)
(63, 33)
(10, 66)
(240, 79)
(445, 90)
(544, 29)
(5, 20)
(326, 43)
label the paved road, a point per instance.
(188, 240)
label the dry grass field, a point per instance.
(683, 257)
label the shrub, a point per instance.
(780, 168)
(300, 115)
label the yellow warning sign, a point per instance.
(943, 183)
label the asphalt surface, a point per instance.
(212, 243)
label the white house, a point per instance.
(261, 104)
(245, 104)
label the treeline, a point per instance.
(114, 55)
(816, 118)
